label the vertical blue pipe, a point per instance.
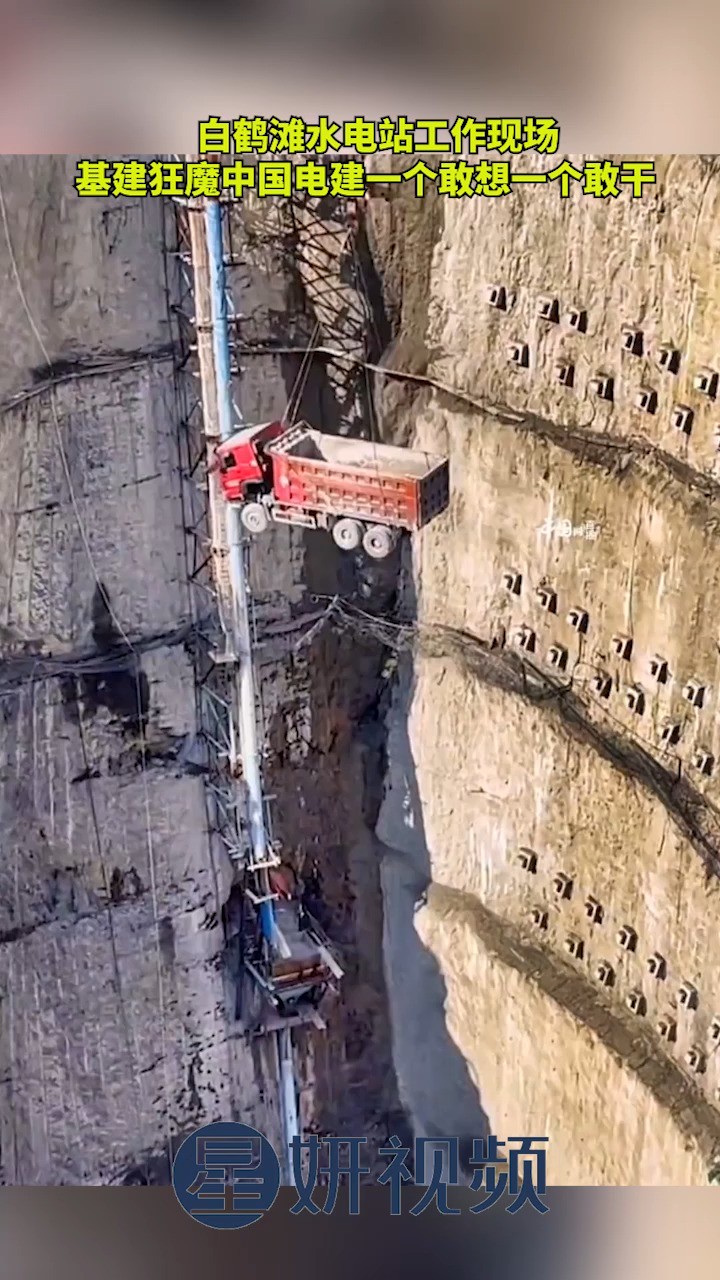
(267, 922)
(226, 419)
(246, 682)
(218, 293)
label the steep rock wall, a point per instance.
(493, 750)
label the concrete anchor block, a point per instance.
(497, 297)
(659, 669)
(593, 910)
(645, 399)
(681, 418)
(704, 762)
(562, 885)
(622, 647)
(518, 353)
(635, 699)
(706, 383)
(564, 373)
(602, 386)
(547, 598)
(574, 946)
(558, 657)
(631, 340)
(539, 918)
(525, 639)
(636, 1002)
(627, 938)
(668, 358)
(576, 319)
(696, 1060)
(667, 1029)
(579, 620)
(687, 996)
(548, 308)
(670, 734)
(601, 684)
(528, 861)
(694, 693)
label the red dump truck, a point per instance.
(364, 493)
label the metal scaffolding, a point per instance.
(289, 959)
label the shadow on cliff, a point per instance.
(435, 1085)
(120, 688)
(435, 1081)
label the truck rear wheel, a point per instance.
(347, 535)
(254, 517)
(378, 542)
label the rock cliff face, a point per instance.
(117, 1029)
(112, 1022)
(495, 750)
(514, 842)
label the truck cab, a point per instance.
(243, 467)
(363, 492)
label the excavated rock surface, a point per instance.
(493, 751)
(115, 1017)
(113, 1032)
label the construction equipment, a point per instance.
(363, 493)
(295, 978)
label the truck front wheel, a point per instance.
(347, 535)
(378, 542)
(254, 517)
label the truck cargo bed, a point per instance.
(400, 487)
(346, 453)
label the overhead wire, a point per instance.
(103, 368)
(123, 633)
(37, 668)
(502, 412)
(648, 765)
(369, 390)
(298, 386)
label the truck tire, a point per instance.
(378, 542)
(254, 517)
(347, 535)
